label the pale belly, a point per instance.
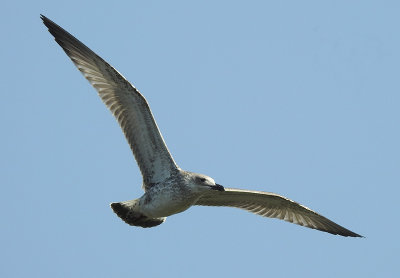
(163, 204)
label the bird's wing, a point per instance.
(128, 106)
(274, 206)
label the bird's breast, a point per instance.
(165, 202)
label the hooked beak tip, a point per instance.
(218, 187)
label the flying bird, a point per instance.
(168, 188)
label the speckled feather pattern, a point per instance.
(274, 206)
(125, 102)
(168, 189)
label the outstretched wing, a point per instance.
(128, 106)
(274, 206)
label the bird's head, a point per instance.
(203, 183)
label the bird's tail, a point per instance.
(129, 212)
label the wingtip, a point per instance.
(44, 18)
(357, 235)
(46, 21)
(346, 233)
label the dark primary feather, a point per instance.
(273, 206)
(128, 106)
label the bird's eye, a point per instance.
(202, 179)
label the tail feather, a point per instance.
(129, 213)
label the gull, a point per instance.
(169, 189)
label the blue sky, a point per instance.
(300, 98)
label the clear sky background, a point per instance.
(300, 98)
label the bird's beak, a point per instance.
(218, 187)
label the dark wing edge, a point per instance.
(125, 102)
(274, 206)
